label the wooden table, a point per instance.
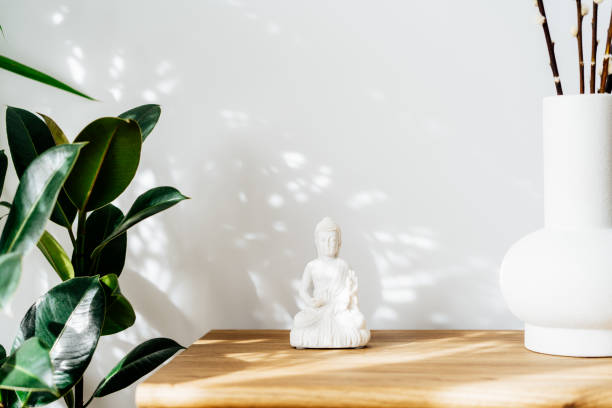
(258, 368)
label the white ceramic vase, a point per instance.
(558, 280)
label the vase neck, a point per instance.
(577, 133)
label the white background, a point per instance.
(415, 124)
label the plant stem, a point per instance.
(551, 48)
(579, 17)
(593, 47)
(88, 401)
(606, 58)
(78, 394)
(80, 247)
(72, 238)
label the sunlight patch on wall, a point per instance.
(366, 198)
(77, 52)
(294, 160)
(321, 181)
(57, 18)
(149, 96)
(76, 70)
(166, 86)
(276, 201)
(116, 93)
(385, 313)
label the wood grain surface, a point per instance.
(258, 368)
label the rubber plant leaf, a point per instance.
(69, 318)
(119, 312)
(10, 272)
(29, 369)
(147, 204)
(31, 73)
(3, 167)
(106, 165)
(137, 363)
(29, 137)
(146, 116)
(99, 225)
(27, 328)
(59, 137)
(35, 197)
(57, 257)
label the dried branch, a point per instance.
(580, 13)
(593, 46)
(551, 47)
(606, 59)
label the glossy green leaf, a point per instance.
(64, 212)
(2, 354)
(27, 328)
(107, 164)
(100, 224)
(137, 363)
(28, 138)
(57, 257)
(57, 133)
(119, 312)
(10, 272)
(31, 73)
(29, 369)
(68, 318)
(146, 116)
(35, 197)
(3, 167)
(150, 203)
(120, 315)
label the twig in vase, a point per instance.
(606, 59)
(581, 11)
(551, 47)
(593, 46)
(609, 84)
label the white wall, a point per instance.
(416, 125)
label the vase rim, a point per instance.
(580, 96)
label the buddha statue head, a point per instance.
(328, 238)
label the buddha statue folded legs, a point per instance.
(331, 316)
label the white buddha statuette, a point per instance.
(331, 317)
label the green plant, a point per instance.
(18, 68)
(68, 182)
